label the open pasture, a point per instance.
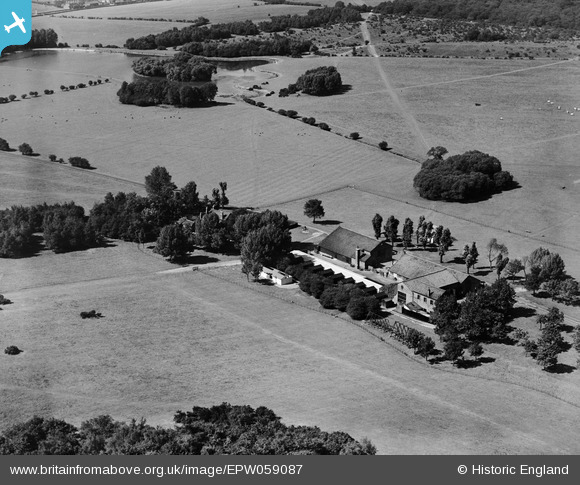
(169, 342)
(28, 181)
(264, 157)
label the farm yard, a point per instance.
(215, 343)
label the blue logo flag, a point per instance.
(15, 22)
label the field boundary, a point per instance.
(368, 329)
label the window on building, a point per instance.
(401, 297)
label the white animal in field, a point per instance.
(559, 107)
(500, 118)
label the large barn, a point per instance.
(360, 251)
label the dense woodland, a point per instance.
(314, 18)
(276, 46)
(320, 81)
(561, 14)
(39, 39)
(146, 93)
(192, 33)
(64, 227)
(219, 430)
(471, 176)
(182, 67)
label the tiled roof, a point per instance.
(408, 267)
(343, 241)
(421, 286)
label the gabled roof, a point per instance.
(408, 267)
(343, 241)
(421, 286)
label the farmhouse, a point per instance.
(360, 251)
(421, 283)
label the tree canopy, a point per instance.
(218, 430)
(471, 176)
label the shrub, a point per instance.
(383, 145)
(52, 158)
(4, 301)
(328, 297)
(4, 146)
(12, 350)
(354, 135)
(79, 162)
(26, 149)
(357, 308)
(324, 126)
(91, 314)
(282, 112)
(291, 113)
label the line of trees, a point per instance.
(345, 297)
(319, 17)
(218, 430)
(426, 234)
(277, 45)
(471, 176)
(192, 33)
(412, 338)
(146, 93)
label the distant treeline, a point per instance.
(289, 2)
(39, 39)
(564, 14)
(219, 430)
(314, 18)
(182, 67)
(192, 33)
(146, 93)
(277, 46)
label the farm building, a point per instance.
(360, 251)
(421, 283)
(276, 276)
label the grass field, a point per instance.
(169, 342)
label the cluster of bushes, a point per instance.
(39, 39)
(345, 297)
(64, 226)
(182, 67)
(134, 218)
(276, 46)
(315, 18)
(12, 350)
(80, 162)
(192, 33)
(320, 81)
(471, 176)
(550, 344)
(481, 317)
(537, 13)
(91, 314)
(72, 87)
(290, 2)
(218, 430)
(146, 93)
(547, 272)
(418, 341)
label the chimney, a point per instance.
(357, 257)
